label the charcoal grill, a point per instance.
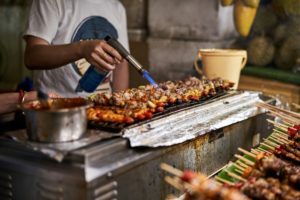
(110, 169)
(176, 107)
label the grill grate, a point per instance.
(118, 127)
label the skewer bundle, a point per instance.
(270, 171)
(197, 186)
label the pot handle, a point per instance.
(196, 65)
(244, 60)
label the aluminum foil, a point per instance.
(195, 121)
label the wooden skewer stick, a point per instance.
(190, 186)
(274, 140)
(286, 119)
(287, 123)
(193, 187)
(282, 125)
(239, 171)
(178, 173)
(286, 126)
(279, 124)
(218, 170)
(280, 132)
(283, 137)
(171, 169)
(219, 184)
(269, 101)
(174, 183)
(233, 175)
(278, 140)
(255, 151)
(245, 160)
(270, 107)
(266, 145)
(223, 180)
(247, 152)
(242, 164)
(271, 143)
(280, 128)
(238, 166)
(263, 150)
(260, 150)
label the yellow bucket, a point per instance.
(223, 63)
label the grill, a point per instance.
(109, 169)
(169, 109)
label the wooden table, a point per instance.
(288, 93)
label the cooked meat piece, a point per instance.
(292, 150)
(146, 99)
(209, 189)
(269, 189)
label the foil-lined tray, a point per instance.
(195, 121)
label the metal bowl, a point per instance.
(65, 120)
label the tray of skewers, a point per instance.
(270, 171)
(113, 112)
(197, 186)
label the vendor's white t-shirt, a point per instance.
(66, 21)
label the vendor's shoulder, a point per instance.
(119, 5)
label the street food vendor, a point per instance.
(63, 38)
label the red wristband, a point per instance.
(21, 96)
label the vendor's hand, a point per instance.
(100, 54)
(32, 95)
(53, 95)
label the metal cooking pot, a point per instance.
(62, 123)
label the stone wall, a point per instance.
(189, 20)
(175, 30)
(171, 59)
(136, 18)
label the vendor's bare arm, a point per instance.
(39, 54)
(10, 101)
(121, 74)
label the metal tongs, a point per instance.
(118, 46)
